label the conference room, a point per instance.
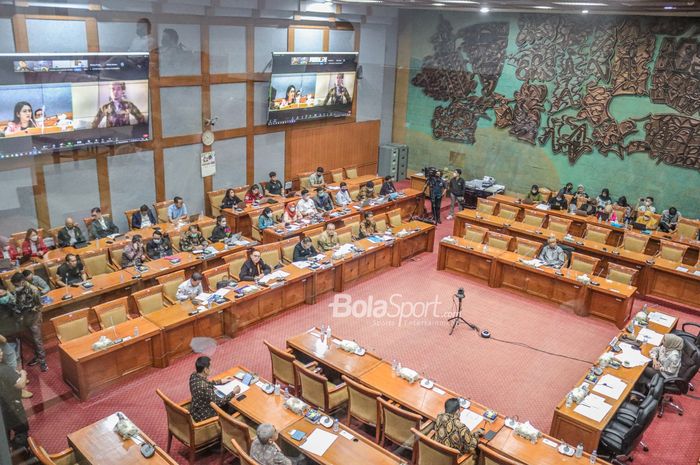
(343, 232)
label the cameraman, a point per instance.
(456, 189)
(436, 189)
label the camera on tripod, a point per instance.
(430, 171)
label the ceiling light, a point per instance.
(464, 2)
(580, 4)
(438, 4)
(585, 12)
(669, 7)
(543, 7)
(484, 9)
(363, 1)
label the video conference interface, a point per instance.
(52, 102)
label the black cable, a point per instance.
(522, 344)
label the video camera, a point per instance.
(430, 171)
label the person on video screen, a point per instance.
(23, 118)
(118, 111)
(289, 97)
(338, 94)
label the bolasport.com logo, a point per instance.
(396, 311)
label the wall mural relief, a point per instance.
(572, 70)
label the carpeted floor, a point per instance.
(510, 378)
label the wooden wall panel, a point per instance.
(332, 146)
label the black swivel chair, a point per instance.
(688, 336)
(628, 412)
(619, 439)
(678, 385)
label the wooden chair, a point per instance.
(242, 454)
(88, 224)
(53, 234)
(129, 214)
(534, 218)
(687, 228)
(354, 191)
(207, 226)
(363, 405)
(196, 436)
(508, 212)
(354, 223)
(380, 221)
(304, 180)
(395, 219)
(215, 198)
(175, 238)
(583, 263)
(149, 300)
(526, 248)
(337, 175)
(560, 225)
(233, 428)
(498, 240)
(351, 172)
(115, 255)
(597, 234)
(377, 188)
(316, 390)
(66, 457)
(112, 313)
(546, 194)
(344, 235)
(621, 274)
(672, 251)
(212, 276)
(257, 232)
(287, 249)
(396, 425)
(282, 362)
(235, 263)
(487, 207)
(72, 325)
(431, 452)
(52, 270)
(270, 254)
(635, 242)
(97, 262)
(170, 283)
(161, 210)
(474, 233)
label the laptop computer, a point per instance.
(80, 245)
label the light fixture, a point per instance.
(669, 7)
(363, 1)
(438, 4)
(543, 7)
(580, 4)
(463, 2)
(484, 9)
(585, 12)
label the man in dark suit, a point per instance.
(254, 267)
(143, 218)
(102, 226)
(304, 250)
(70, 234)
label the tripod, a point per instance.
(455, 320)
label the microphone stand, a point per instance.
(457, 319)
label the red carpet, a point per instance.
(511, 379)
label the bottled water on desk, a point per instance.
(569, 400)
(136, 331)
(277, 389)
(336, 428)
(594, 457)
(579, 450)
(393, 365)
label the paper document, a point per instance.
(222, 292)
(438, 390)
(470, 419)
(610, 386)
(318, 442)
(682, 269)
(203, 297)
(696, 272)
(301, 265)
(650, 336)
(227, 388)
(319, 257)
(630, 357)
(661, 319)
(593, 407)
(542, 206)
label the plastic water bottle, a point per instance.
(328, 334)
(594, 457)
(277, 389)
(569, 400)
(398, 368)
(286, 394)
(336, 428)
(136, 331)
(393, 365)
(579, 450)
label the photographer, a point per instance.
(456, 189)
(436, 190)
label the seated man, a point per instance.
(647, 220)
(552, 255)
(143, 218)
(451, 432)
(669, 219)
(317, 179)
(102, 226)
(159, 246)
(274, 185)
(203, 393)
(646, 205)
(322, 200)
(265, 451)
(304, 250)
(221, 231)
(36, 281)
(70, 234)
(368, 227)
(342, 197)
(328, 240)
(558, 202)
(134, 253)
(72, 271)
(388, 186)
(190, 288)
(306, 206)
(177, 210)
(254, 268)
(193, 239)
(366, 192)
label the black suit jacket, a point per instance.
(64, 238)
(301, 254)
(136, 219)
(249, 271)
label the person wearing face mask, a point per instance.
(622, 202)
(190, 288)
(647, 220)
(221, 231)
(159, 246)
(291, 214)
(254, 268)
(317, 179)
(558, 202)
(368, 227)
(306, 206)
(328, 240)
(265, 450)
(669, 219)
(203, 392)
(387, 186)
(304, 250)
(7, 250)
(36, 281)
(535, 196)
(253, 195)
(266, 220)
(568, 189)
(552, 254)
(342, 197)
(28, 301)
(33, 245)
(456, 187)
(10, 327)
(366, 192)
(323, 200)
(102, 226)
(134, 253)
(646, 205)
(143, 218)
(70, 234)
(603, 200)
(193, 239)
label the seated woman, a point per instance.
(534, 196)
(558, 202)
(266, 220)
(622, 203)
(221, 230)
(193, 239)
(254, 268)
(603, 200)
(33, 245)
(230, 200)
(22, 120)
(665, 359)
(291, 215)
(253, 194)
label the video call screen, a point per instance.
(54, 102)
(311, 86)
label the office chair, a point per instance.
(689, 337)
(629, 412)
(690, 362)
(619, 440)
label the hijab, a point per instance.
(672, 342)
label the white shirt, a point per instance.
(306, 207)
(343, 198)
(145, 221)
(186, 290)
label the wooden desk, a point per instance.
(469, 258)
(342, 451)
(87, 371)
(493, 222)
(420, 239)
(358, 181)
(98, 444)
(575, 428)
(281, 233)
(239, 219)
(179, 327)
(354, 266)
(417, 181)
(410, 201)
(667, 282)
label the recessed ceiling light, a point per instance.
(580, 4)
(438, 4)
(464, 2)
(542, 7)
(484, 9)
(585, 12)
(363, 1)
(669, 7)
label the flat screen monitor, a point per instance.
(55, 102)
(311, 86)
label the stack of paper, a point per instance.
(630, 357)
(650, 336)
(222, 292)
(301, 265)
(661, 319)
(203, 297)
(610, 386)
(279, 274)
(593, 407)
(226, 389)
(318, 442)
(470, 419)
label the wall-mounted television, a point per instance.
(311, 86)
(55, 102)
